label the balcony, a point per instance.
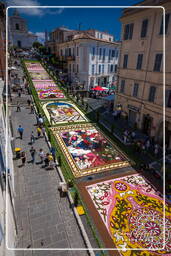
(70, 58)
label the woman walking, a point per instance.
(23, 158)
(38, 132)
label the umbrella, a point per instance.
(98, 88)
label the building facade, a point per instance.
(7, 215)
(92, 57)
(140, 73)
(18, 33)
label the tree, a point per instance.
(37, 45)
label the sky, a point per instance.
(103, 19)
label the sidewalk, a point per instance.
(44, 219)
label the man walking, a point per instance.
(20, 131)
(32, 152)
(18, 107)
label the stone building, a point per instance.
(18, 32)
(140, 73)
(92, 56)
(7, 218)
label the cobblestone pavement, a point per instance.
(44, 219)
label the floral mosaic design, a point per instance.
(34, 66)
(62, 112)
(88, 150)
(132, 211)
(39, 75)
(44, 85)
(50, 93)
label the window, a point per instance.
(128, 32)
(167, 17)
(93, 53)
(103, 68)
(70, 67)
(100, 53)
(116, 68)
(92, 69)
(144, 28)
(116, 54)
(101, 36)
(99, 69)
(122, 88)
(69, 51)
(109, 54)
(110, 39)
(139, 61)
(61, 52)
(77, 68)
(73, 68)
(111, 68)
(168, 98)
(77, 51)
(135, 90)
(73, 52)
(17, 27)
(19, 44)
(158, 61)
(104, 51)
(125, 61)
(152, 93)
(108, 68)
(113, 53)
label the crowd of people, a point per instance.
(141, 146)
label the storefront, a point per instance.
(132, 115)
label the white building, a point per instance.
(18, 32)
(92, 57)
(7, 215)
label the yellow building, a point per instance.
(140, 73)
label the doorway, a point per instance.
(147, 124)
(132, 117)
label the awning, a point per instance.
(109, 98)
(98, 88)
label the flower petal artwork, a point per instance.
(34, 66)
(132, 212)
(88, 150)
(62, 112)
(44, 85)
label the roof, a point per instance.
(88, 36)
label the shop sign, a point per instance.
(133, 108)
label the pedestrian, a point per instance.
(38, 132)
(41, 155)
(32, 152)
(32, 138)
(19, 93)
(18, 107)
(20, 131)
(29, 102)
(43, 131)
(147, 145)
(51, 162)
(23, 158)
(46, 160)
(53, 152)
(133, 135)
(40, 121)
(156, 149)
(31, 108)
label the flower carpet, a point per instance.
(88, 150)
(62, 112)
(44, 85)
(132, 212)
(34, 66)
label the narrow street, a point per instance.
(44, 219)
